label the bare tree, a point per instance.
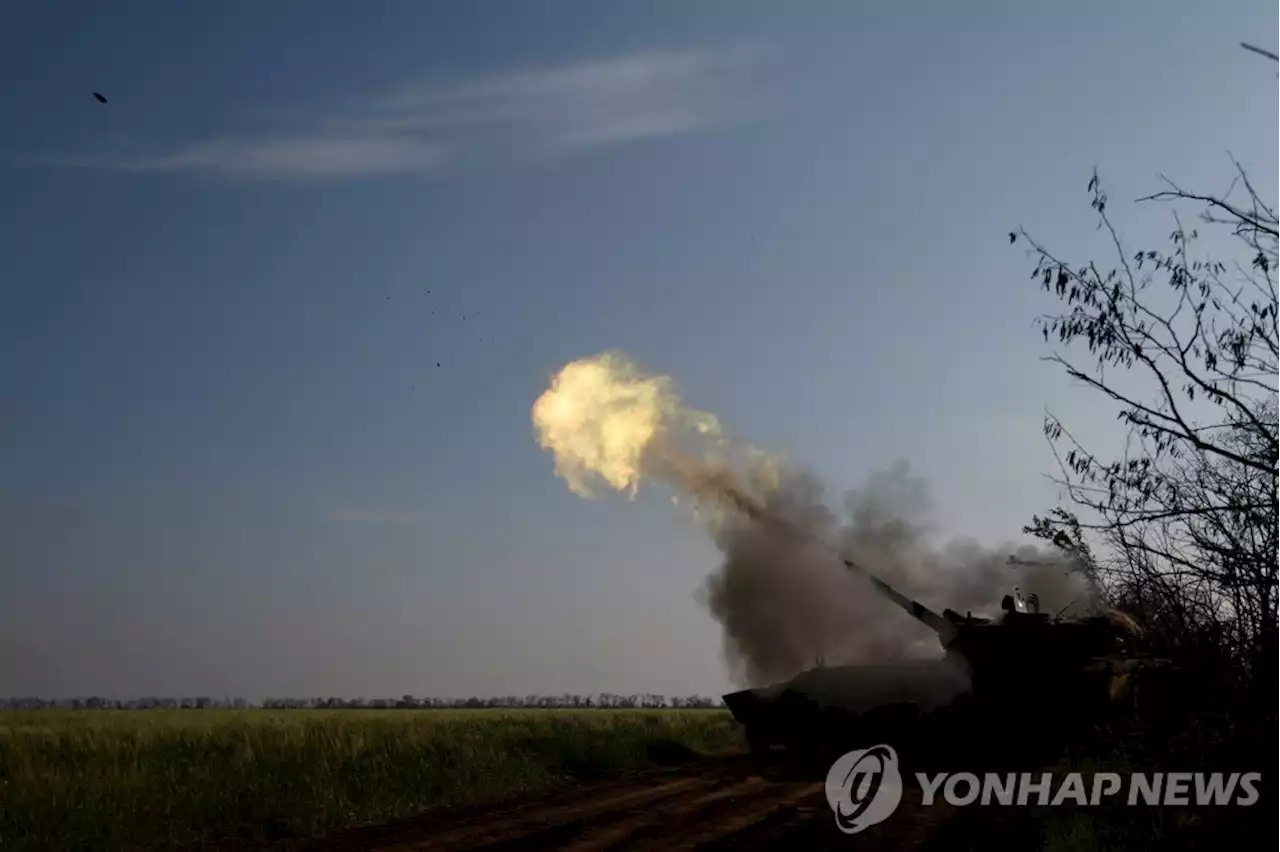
(1182, 522)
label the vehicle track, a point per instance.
(725, 803)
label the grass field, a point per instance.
(160, 779)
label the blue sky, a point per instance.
(232, 464)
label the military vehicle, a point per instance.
(1025, 678)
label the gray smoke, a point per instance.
(786, 602)
(784, 599)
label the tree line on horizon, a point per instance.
(602, 701)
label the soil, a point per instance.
(738, 802)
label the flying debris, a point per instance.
(100, 98)
(1261, 52)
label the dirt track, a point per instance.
(729, 803)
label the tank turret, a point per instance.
(1022, 635)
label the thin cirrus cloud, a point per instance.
(373, 516)
(422, 126)
(318, 157)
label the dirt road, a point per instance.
(730, 803)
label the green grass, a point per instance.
(105, 780)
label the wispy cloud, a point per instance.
(319, 156)
(373, 516)
(599, 102)
(423, 125)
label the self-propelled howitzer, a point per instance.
(1022, 673)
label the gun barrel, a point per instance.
(945, 629)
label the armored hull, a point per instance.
(830, 704)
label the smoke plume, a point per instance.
(782, 595)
